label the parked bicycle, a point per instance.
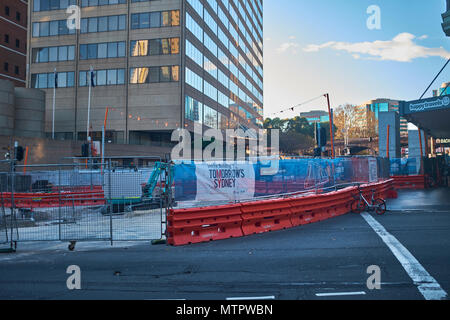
(361, 204)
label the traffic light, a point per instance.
(19, 153)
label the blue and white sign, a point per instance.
(430, 104)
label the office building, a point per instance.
(316, 116)
(158, 65)
(13, 41)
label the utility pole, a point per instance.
(330, 114)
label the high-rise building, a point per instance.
(158, 65)
(384, 105)
(13, 41)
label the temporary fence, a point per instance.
(214, 183)
(81, 202)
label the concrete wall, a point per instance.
(392, 119)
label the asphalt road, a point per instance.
(329, 257)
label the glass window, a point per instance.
(121, 49)
(175, 17)
(82, 79)
(54, 28)
(70, 79)
(165, 46)
(121, 76)
(42, 81)
(165, 18)
(175, 73)
(62, 79)
(135, 21)
(44, 29)
(102, 24)
(36, 29)
(113, 23)
(144, 20)
(51, 80)
(92, 25)
(102, 50)
(62, 27)
(62, 53)
(84, 25)
(43, 55)
(112, 50)
(155, 47)
(53, 54)
(122, 22)
(165, 74)
(101, 77)
(83, 52)
(154, 74)
(175, 45)
(155, 19)
(92, 51)
(112, 77)
(70, 53)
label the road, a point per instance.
(311, 262)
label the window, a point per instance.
(155, 19)
(16, 70)
(139, 48)
(6, 38)
(17, 43)
(108, 77)
(154, 74)
(7, 10)
(5, 66)
(18, 16)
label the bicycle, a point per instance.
(361, 204)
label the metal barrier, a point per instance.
(84, 201)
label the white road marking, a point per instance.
(334, 294)
(252, 298)
(427, 285)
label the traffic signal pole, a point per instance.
(331, 125)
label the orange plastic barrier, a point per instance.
(320, 207)
(410, 182)
(51, 200)
(195, 225)
(265, 216)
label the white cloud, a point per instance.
(288, 46)
(401, 48)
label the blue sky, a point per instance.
(318, 46)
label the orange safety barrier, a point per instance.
(410, 182)
(265, 216)
(51, 200)
(320, 207)
(195, 225)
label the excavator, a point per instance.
(157, 192)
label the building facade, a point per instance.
(316, 116)
(158, 66)
(13, 41)
(383, 105)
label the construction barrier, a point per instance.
(52, 200)
(265, 216)
(410, 182)
(195, 225)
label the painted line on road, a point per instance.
(334, 294)
(252, 298)
(427, 285)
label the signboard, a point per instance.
(430, 104)
(226, 181)
(373, 170)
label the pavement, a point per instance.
(321, 261)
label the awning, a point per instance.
(431, 115)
